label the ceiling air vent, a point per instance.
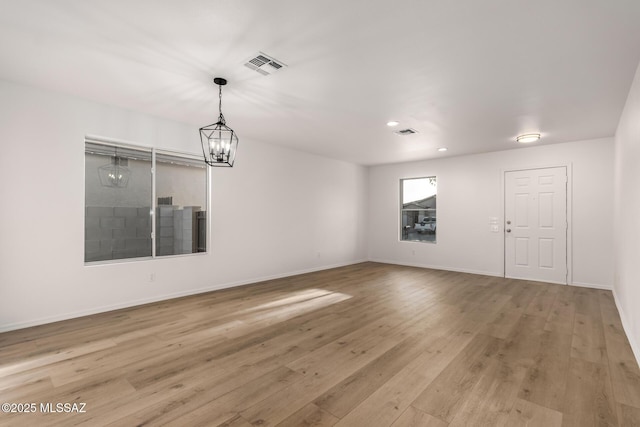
(264, 64)
(407, 131)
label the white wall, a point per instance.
(627, 216)
(277, 212)
(470, 192)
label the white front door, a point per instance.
(535, 229)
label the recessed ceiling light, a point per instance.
(392, 123)
(528, 137)
(442, 149)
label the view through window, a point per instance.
(418, 209)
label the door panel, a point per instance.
(545, 253)
(545, 210)
(545, 180)
(536, 224)
(522, 251)
(521, 214)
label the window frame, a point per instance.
(402, 210)
(154, 202)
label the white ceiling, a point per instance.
(468, 75)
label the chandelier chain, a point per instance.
(221, 118)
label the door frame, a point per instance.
(569, 167)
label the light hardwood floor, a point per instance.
(364, 345)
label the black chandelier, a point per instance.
(219, 141)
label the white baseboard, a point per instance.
(437, 267)
(142, 301)
(627, 329)
(592, 285)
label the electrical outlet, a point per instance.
(152, 277)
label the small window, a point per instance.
(120, 183)
(418, 209)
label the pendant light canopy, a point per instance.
(219, 141)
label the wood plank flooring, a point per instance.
(364, 345)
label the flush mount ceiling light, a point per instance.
(442, 149)
(219, 141)
(528, 137)
(392, 123)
